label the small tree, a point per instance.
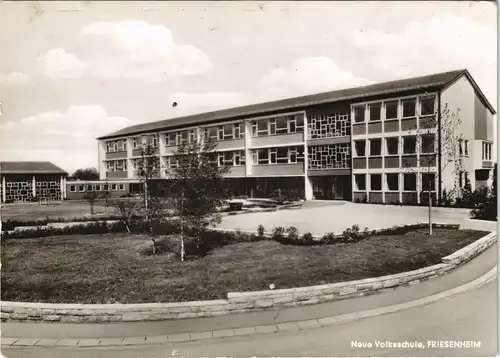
(91, 196)
(106, 195)
(198, 189)
(427, 147)
(155, 214)
(127, 208)
(154, 207)
(148, 169)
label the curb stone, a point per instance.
(249, 331)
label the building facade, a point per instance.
(30, 181)
(388, 142)
(77, 189)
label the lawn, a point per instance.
(66, 209)
(109, 268)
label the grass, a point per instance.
(65, 209)
(109, 268)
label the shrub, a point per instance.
(328, 239)
(292, 233)
(353, 234)
(260, 231)
(278, 233)
(308, 238)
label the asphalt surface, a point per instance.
(469, 319)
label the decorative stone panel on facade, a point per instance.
(334, 156)
(329, 125)
(19, 188)
(49, 187)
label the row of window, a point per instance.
(486, 153)
(394, 109)
(225, 132)
(278, 125)
(152, 140)
(96, 187)
(116, 145)
(392, 181)
(232, 158)
(116, 165)
(280, 155)
(392, 145)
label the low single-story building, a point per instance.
(31, 181)
(76, 189)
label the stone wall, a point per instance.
(236, 302)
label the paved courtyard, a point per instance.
(320, 219)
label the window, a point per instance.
(428, 181)
(106, 187)
(134, 143)
(261, 156)
(409, 107)
(81, 188)
(391, 110)
(375, 112)
(292, 124)
(460, 148)
(183, 138)
(360, 181)
(409, 145)
(227, 132)
(392, 146)
(122, 187)
(239, 158)
(375, 146)
(428, 141)
(211, 133)
(154, 141)
(72, 188)
(360, 147)
(410, 182)
(281, 125)
(192, 136)
(237, 131)
(375, 181)
(260, 128)
(97, 187)
(487, 151)
(296, 155)
(466, 148)
(228, 158)
(113, 187)
(392, 181)
(299, 119)
(427, 105)
(282, 155)
(359, 114)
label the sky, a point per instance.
(72, 71)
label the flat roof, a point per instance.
(433, 81)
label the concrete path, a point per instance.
(50, 334)
(336, 218)
(468, 319)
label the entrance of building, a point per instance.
(335, 187)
